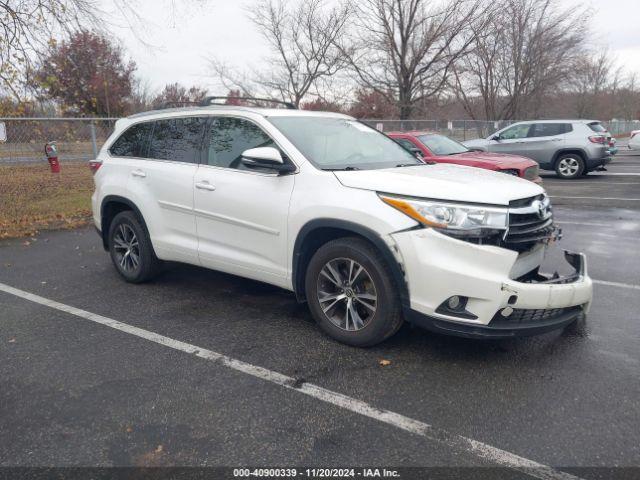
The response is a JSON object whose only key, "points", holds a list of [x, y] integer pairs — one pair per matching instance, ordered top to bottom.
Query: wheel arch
{"points": [[112, 205], [317, 232]]}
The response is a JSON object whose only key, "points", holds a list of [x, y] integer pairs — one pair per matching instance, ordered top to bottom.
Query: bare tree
{"points": [[27, 26], [303, 42], [528, 48], [404, 50], [594, 83], [176, 94]]}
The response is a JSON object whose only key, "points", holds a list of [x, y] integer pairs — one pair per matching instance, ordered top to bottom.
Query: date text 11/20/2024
{"points": [[315, 472]]}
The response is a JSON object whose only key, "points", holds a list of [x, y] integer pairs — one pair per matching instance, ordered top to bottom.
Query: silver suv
{"points": [[570, 147]]}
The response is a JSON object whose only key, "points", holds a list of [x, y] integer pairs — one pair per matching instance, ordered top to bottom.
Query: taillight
{"points": [[598, 139], [94, 165]]}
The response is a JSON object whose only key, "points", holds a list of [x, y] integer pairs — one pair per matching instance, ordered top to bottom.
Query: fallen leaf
{"points": [[384, 363], [129, 429], [159, 449]]}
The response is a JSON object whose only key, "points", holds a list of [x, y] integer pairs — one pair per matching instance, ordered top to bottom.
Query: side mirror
{"points": [[496, 138], [266, 157]]}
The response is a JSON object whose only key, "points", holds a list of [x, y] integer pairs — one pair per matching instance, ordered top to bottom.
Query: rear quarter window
{"points": [[597, 127], [133, 142]]}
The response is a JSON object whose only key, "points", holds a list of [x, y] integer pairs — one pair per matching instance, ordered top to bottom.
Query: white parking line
{"points": [[616, 174], [578, 184], [600, 198], [586, 224], [617, 284], [452, 440]]}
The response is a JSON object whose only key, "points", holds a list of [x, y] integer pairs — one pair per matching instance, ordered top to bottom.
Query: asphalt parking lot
{"points": [[77, 388]]}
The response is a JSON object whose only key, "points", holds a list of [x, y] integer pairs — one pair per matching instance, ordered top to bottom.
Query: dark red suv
{"points": [[438, 148]]}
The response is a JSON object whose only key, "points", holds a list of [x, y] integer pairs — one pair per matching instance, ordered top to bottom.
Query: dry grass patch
{"points": [[32, 198]]}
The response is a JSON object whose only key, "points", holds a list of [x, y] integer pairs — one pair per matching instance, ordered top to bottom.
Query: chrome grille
{"points": [[530, 222]]}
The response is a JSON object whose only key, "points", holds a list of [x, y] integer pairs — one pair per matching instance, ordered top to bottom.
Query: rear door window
{"points": [[549, 129], [177, 139], [133, 142]]}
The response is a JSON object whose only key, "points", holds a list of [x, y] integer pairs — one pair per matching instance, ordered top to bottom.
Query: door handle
{"points": [[138, 173], [205, 186]]}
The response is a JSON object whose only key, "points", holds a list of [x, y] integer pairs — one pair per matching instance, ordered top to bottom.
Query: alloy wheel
{"points": [[568, 167], [126, 248], [346, 294]]}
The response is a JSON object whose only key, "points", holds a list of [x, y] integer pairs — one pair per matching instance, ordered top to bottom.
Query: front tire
{"points": [[569, 166], [130, 249], [351, 293]]}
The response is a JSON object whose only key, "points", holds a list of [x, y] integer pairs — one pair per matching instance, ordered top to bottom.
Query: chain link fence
{"points": [[458, 129], [462, 130], [77, 139]]}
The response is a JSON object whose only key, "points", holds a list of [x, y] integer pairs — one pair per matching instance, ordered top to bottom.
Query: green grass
{"points": [[33, 199]]}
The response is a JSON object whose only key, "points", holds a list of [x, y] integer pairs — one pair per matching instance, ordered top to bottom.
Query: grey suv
{"points": [[570, 147]]}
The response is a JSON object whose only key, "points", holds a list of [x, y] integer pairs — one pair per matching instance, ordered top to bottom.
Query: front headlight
{"points": [[453, 219]]}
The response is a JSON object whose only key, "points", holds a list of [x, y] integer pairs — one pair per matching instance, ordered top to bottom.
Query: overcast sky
{"points": [[182, 41]]}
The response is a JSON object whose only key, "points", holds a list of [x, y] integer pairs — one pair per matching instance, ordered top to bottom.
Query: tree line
{"points": [[476, 59]]}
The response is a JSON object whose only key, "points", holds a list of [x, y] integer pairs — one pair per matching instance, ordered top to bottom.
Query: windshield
{"points": [[341, 143], [441, 145]]}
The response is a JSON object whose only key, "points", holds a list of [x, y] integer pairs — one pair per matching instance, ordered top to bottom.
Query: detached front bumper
{"points": [[493, 303]]}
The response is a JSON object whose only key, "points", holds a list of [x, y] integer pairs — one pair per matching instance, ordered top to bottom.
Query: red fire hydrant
{"points": [[52, 156]]}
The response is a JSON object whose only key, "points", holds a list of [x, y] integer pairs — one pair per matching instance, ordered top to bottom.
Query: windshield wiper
{"points": [[400, 165], [348, 169]]}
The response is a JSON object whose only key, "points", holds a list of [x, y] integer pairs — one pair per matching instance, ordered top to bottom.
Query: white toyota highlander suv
{"points": [[335, 211]]}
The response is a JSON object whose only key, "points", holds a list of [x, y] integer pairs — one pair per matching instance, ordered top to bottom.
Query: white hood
{"points": [[443, 182]]}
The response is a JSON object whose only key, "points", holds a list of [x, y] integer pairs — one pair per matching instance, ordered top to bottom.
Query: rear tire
{"points": [[569, 166], [131, 250], [351, 293]]}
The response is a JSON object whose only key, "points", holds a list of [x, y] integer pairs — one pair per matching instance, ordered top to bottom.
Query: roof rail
{"points": [[208, 101], [174, 104]]}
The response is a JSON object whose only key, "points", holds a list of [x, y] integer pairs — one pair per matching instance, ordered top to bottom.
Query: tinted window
{"points": [[597, 127], [549, 129], [517, 131], [229, 137], [177, 139], [133, 142], [406, 143], [441, 145]]}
